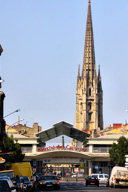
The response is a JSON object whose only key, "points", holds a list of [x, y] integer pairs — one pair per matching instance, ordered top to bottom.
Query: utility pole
{"points": [[2, 121]]}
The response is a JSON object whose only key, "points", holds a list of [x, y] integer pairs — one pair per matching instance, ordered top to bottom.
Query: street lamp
{"points": [[12, 113]]}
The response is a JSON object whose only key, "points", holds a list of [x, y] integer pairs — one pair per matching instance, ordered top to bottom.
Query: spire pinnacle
{"points": [[89, 53], [79, 70], [99, 71], [99, 81]]}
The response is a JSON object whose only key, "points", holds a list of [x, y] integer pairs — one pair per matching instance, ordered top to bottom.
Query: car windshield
{"points": [[95, 176], [100, 176], [91, 177], [49, 178], [23, 179]]}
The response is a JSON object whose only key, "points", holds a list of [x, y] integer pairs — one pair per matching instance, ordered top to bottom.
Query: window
{"points": [[89, 91], [81, 107], [90, 116]]}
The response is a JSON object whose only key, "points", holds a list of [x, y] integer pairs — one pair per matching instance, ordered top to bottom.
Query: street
{"points": [[80, 187]]}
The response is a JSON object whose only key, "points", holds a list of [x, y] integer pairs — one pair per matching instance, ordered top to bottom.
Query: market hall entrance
{"points": [[64, 160], [65, 167]]}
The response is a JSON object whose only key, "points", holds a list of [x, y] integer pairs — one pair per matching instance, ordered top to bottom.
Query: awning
{"points": [[62, 128]]}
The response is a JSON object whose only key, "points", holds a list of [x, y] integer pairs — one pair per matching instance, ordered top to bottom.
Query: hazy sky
{"points": [[43, 42]]}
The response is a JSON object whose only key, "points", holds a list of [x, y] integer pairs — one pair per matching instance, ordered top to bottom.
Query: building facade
{"points": [[89, 93], [24, 130], [95, 158]]}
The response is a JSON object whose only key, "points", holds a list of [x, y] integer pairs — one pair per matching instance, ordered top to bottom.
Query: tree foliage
{"points": [[13, 150], [118, 151]]}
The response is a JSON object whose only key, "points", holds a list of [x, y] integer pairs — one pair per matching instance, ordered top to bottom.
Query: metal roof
{"points": [[62, 128]]}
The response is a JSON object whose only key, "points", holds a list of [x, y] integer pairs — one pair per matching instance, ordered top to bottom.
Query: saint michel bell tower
{"points": [[89, 94]]}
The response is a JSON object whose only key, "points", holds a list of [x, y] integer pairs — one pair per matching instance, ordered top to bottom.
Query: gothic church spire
{"points": [[89, 94]]}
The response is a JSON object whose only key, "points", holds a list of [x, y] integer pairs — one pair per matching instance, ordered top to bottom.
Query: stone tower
{"points": [[89, 94]]}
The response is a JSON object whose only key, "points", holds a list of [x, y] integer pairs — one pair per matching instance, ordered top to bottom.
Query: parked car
{"points": [[9, 173], [5, 177], [119, 177], [103, 178], [92, 180], [47, 181], [27, 184], [6, 185]]}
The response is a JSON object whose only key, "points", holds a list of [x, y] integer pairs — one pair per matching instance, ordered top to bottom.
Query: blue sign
{"points": [[81, 160], [47, 161], [34, 162], [96, 166]]}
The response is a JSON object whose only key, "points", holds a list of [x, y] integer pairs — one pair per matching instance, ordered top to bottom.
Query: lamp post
{"points": [[17, 110], [2, 122]]}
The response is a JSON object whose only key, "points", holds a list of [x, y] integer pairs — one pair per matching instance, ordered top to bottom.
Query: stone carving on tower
{"points": [[89, 94]]}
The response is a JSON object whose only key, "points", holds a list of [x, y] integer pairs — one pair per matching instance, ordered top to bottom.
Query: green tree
{"points": [[13, 151], [118, 151]]}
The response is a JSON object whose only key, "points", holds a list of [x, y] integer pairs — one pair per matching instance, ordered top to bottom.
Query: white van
{"points": [[119, 176], [102, 177]]}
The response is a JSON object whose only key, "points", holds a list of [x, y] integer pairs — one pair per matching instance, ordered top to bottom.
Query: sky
{"points": [[43, 43]]}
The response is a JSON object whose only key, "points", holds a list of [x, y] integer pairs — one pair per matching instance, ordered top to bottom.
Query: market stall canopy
{"points": [[62, 128]]}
